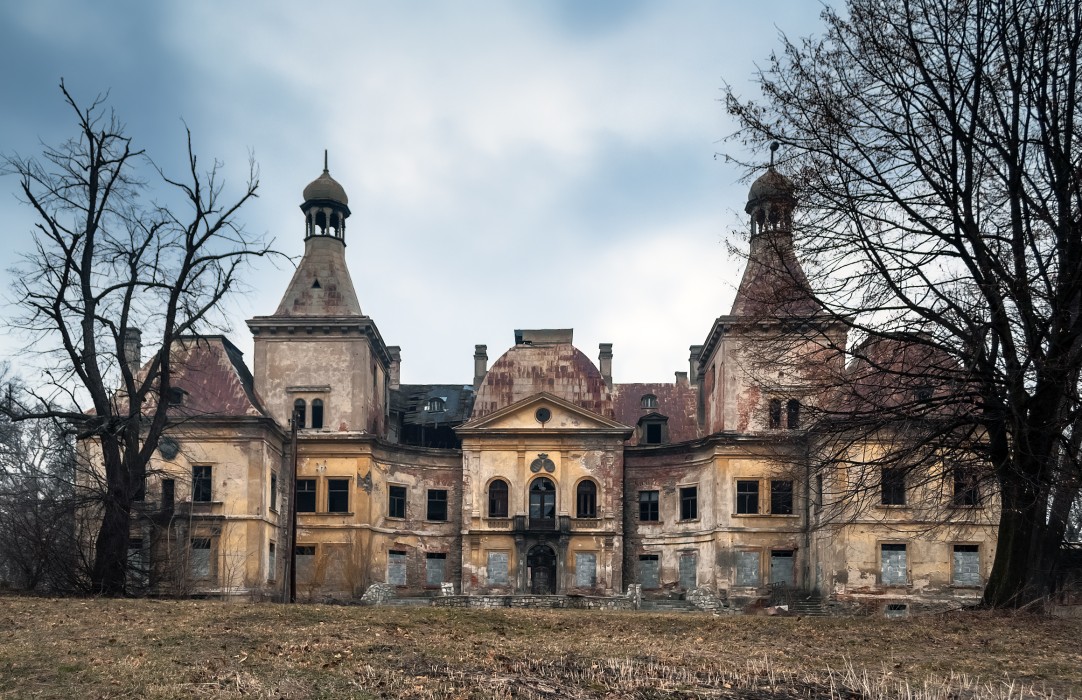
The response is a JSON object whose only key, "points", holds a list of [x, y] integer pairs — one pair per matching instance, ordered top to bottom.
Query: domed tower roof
{"points": [[771, 185], [326, 188], [543, 361]]}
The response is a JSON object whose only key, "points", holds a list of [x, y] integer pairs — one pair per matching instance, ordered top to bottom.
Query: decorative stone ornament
{"points": [[542, 462]]}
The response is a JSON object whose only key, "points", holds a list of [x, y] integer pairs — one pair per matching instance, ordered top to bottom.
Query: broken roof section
{"points": [[543, 361], [210, 379], [433, 404]]}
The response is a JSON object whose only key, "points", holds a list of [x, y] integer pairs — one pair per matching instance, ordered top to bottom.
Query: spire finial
{"points": [[773, 149], [326, 170]]}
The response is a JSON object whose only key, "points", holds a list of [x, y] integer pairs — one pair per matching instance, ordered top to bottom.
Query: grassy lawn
{"points": [[89, 648]]}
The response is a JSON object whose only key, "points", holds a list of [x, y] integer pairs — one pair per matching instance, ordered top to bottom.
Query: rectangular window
{"points": [[775, 414], [792, 414], [653, 433], [201, 482], [893, 487], [274, 491], [967, 493], [169, 494], [306, 495], [337, 495], [747, 497], [781, 497], [396, 502], [689, 503], [437, 504], [648, 509], [306, 558], [200, 561], [272, 563], [689, 563], [892, 565], [967, 565], [435, 566], [396, 568], [497, 568], [747, 568], [585, 569], [649, 571]]}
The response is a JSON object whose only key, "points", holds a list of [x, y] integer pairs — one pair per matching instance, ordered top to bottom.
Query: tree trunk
{"points": [[111, 547], [1021, 572]]}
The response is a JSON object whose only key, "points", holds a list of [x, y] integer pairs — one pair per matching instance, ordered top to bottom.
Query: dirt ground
{"points": [[97, 648]]}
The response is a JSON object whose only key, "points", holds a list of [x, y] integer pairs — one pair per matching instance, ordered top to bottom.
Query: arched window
{"points": [[649, 401], [435, 405], [298, 412], [317, 413], [497, 499], [586, 500], [542, 503]]}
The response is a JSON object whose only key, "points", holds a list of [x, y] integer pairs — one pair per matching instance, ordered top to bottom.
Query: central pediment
{"points": [[543, 412]]}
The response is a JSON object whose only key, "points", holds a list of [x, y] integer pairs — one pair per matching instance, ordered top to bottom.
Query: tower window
{"points": [[316, 285], [792, 411], [298, 413], [317, 413], [775, 414]]}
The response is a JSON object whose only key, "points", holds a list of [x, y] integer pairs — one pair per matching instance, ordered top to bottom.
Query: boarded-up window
{"points": [[200, 561], [306, 561], [689, 562], [892, 564], [138, 565], [967, 565], [435, 566], [781, 567], [396, 568], [497, 568], [747, 568], [585, 569], [649, 571]]}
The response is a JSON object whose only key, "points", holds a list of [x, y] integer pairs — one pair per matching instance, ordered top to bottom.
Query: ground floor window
{"points": [[200, 559], [689, 563], [892, 565], [781, 566], [396, 568], [435, 568], [497, 568], [747, 568], [585, 569], [966, 569], [649, 571]]}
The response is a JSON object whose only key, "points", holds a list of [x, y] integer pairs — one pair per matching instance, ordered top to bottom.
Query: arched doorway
{"points": [[541, 565]]}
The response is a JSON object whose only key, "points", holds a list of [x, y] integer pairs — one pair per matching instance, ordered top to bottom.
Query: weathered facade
{"points": [[538, 475]]}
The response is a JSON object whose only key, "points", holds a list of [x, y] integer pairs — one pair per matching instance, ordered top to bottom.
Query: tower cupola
{"points": [[771, 200], [325, 207]]}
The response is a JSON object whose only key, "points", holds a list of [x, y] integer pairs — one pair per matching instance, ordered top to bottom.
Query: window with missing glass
{"points": [[892, 482], [201, 484], [306, 495], [337, 495], [747, 496], [781, 497], [497, 499], [586, 499], [396, 502], [689, 503], [437, 504], [648, 506]]}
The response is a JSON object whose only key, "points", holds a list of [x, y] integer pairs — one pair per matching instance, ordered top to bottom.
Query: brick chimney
{"points": [[605, 359], [480, 364], [693, 364], [394, 372]]}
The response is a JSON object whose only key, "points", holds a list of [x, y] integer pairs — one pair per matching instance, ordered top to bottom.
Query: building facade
{"points": [[541, 475]]}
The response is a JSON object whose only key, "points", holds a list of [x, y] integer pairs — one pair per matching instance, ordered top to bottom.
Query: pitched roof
{"points": [[774, 284], [321, 286], [214, 381], [678, 402]]}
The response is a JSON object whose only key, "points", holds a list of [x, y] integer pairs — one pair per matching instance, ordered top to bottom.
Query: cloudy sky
{"points": [[523, 164]]}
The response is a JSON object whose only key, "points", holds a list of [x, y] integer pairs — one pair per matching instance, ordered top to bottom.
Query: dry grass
{"points": [[171, 649]]}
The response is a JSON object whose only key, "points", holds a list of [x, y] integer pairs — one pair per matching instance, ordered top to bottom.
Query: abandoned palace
{"points": [[538, 474]]}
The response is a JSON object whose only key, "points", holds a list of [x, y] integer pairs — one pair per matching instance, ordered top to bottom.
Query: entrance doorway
{"points": [[781, 567], [541, 568]]}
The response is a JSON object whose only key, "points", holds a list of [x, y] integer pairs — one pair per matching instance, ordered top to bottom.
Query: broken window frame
{"points": [[774, 414], [792, 414], [202, 483], [892, 486], [966, 492], [338, 495], [499, 495], [747, 496], [781, 496], [586, 499], [396, 501], [689, 503], [436, 505], [649, 506]]}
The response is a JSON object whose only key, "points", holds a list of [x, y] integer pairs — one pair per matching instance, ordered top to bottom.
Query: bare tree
{"points": [[935, 146], [108, 268]]}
